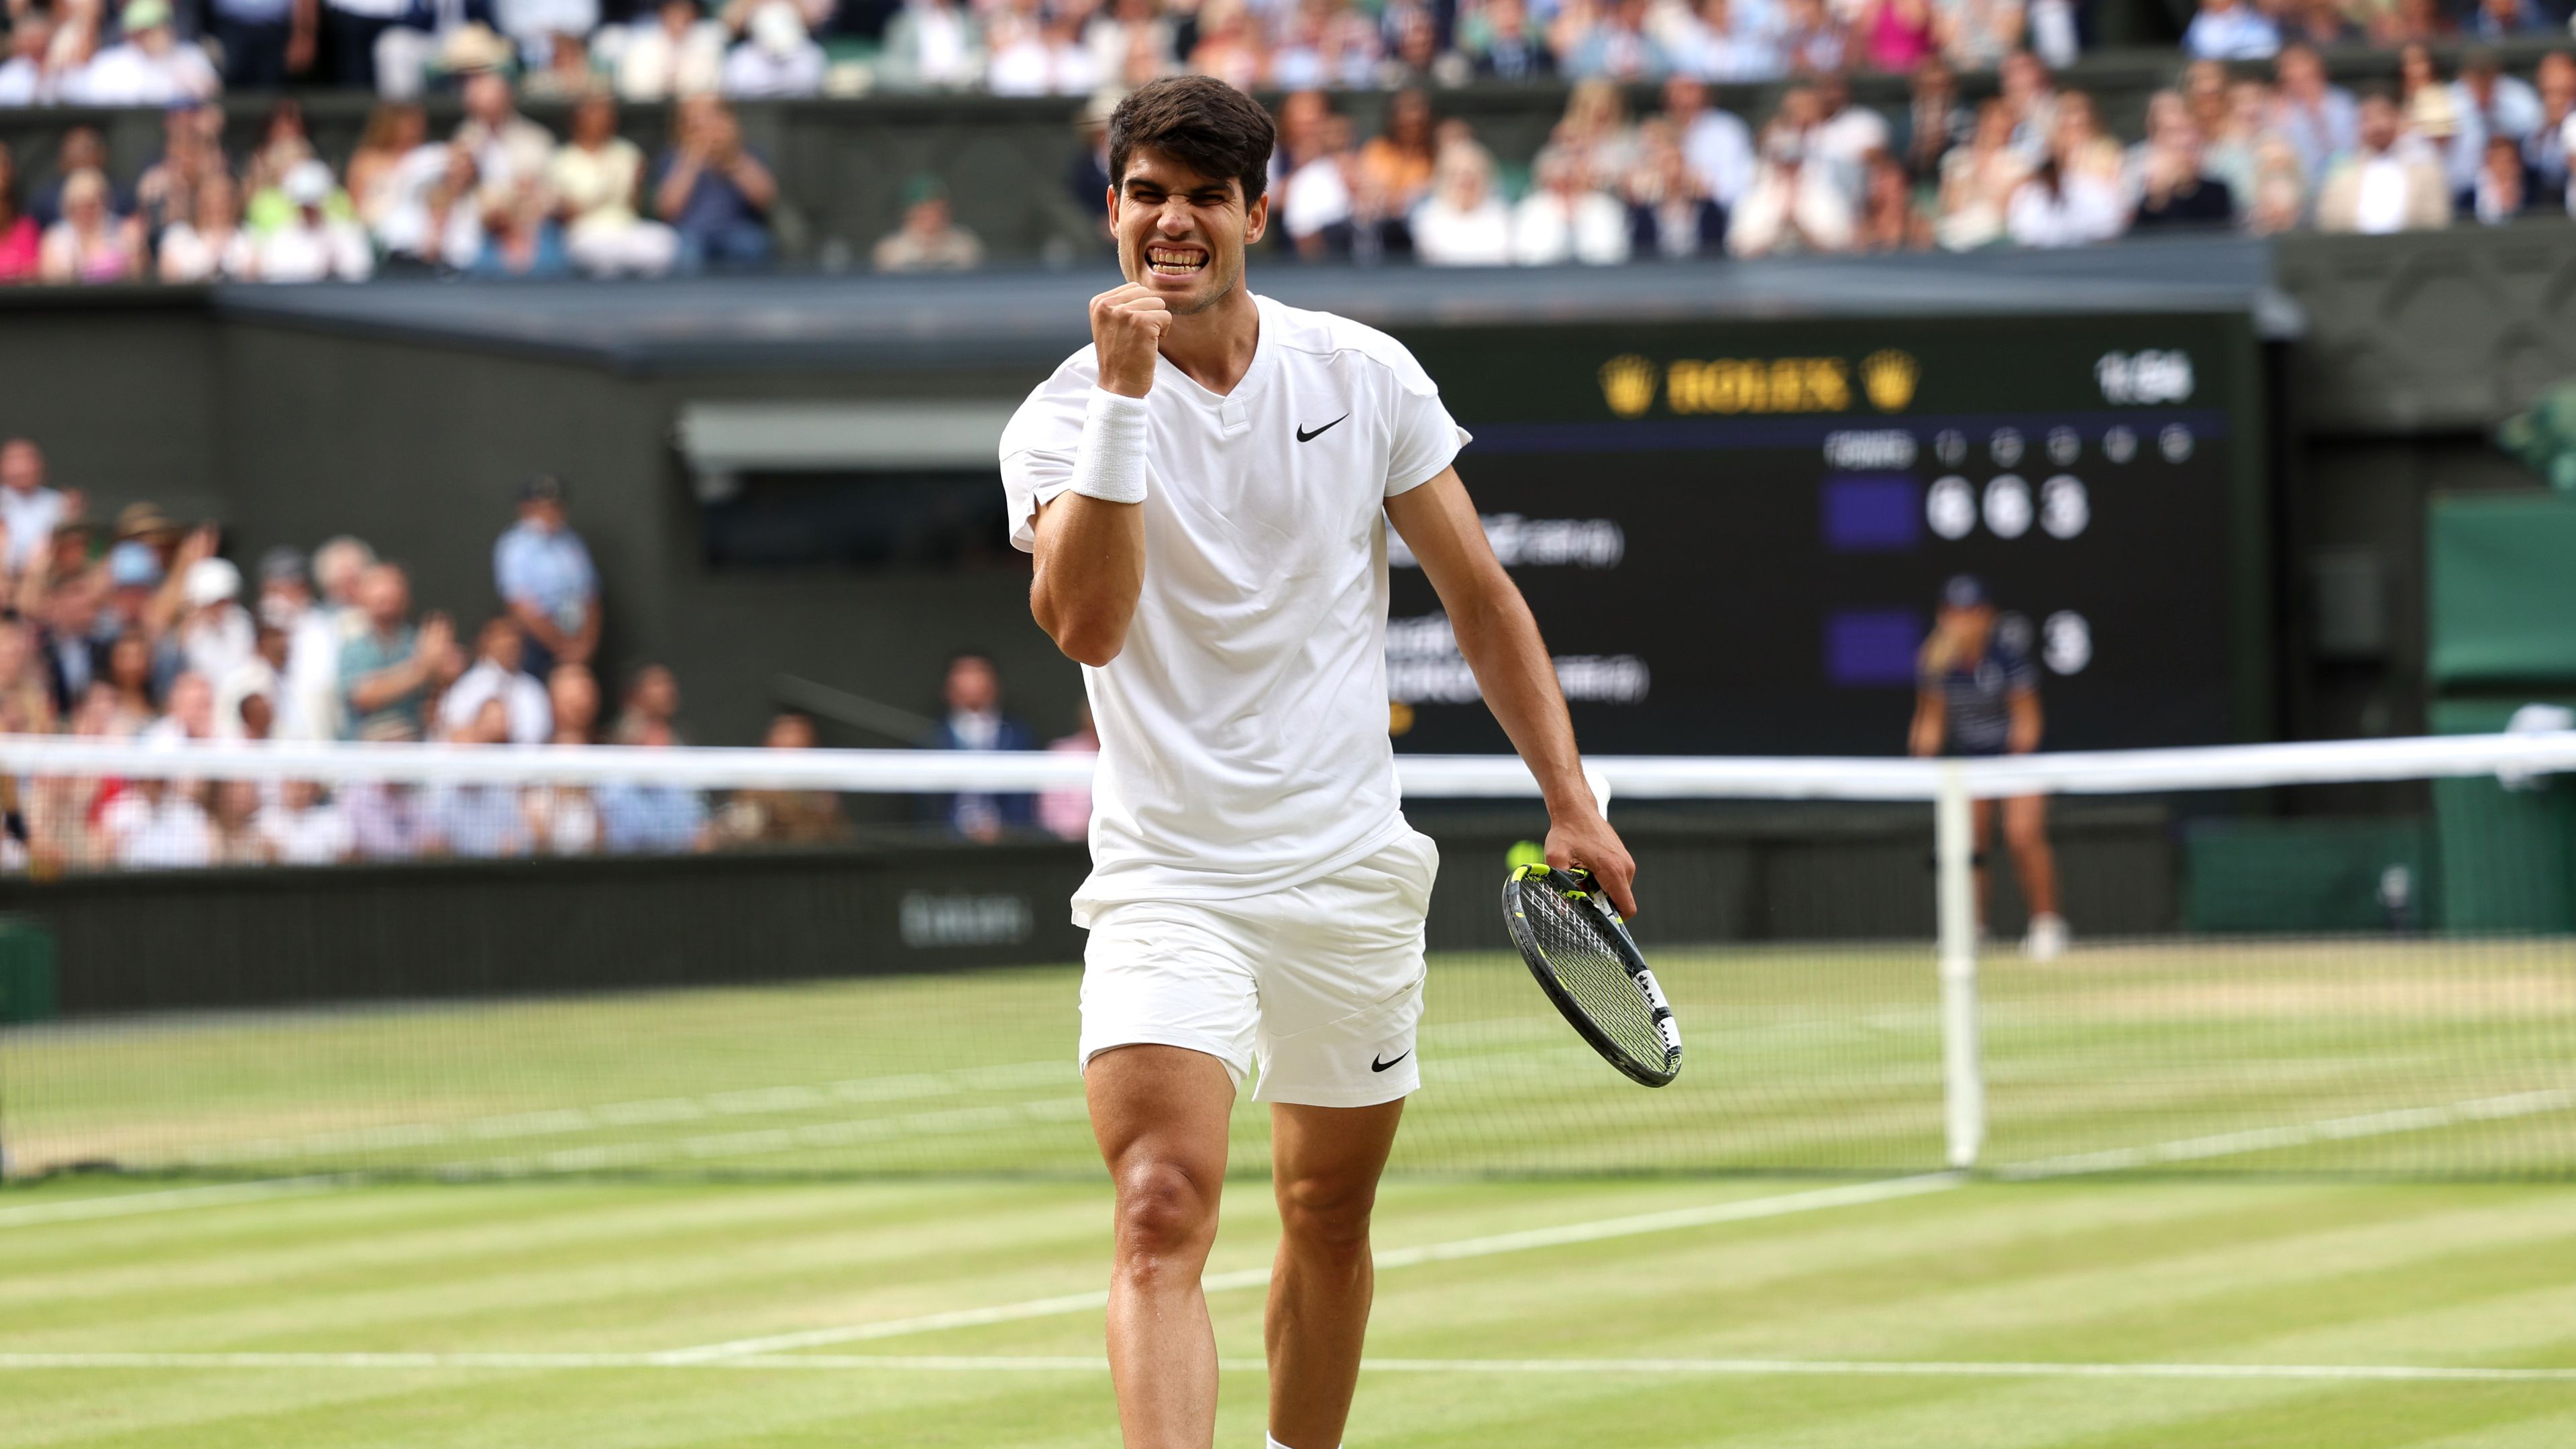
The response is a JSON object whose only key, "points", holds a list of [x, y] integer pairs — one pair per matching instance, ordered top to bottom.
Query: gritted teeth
{"points": [[1175, 261]]}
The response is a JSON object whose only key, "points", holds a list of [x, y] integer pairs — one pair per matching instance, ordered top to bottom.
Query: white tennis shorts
{"points": [[1318, 985]]}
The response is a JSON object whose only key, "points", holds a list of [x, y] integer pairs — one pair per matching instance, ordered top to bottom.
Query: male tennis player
{"points": [[1205, 488], [1978, 694]]}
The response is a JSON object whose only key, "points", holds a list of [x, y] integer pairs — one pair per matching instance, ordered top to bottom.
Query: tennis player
{"points": [[1206, 488], [1978, 694]]}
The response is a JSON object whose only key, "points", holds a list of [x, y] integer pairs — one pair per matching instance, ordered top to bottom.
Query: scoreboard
{"points": [[1734, 534]]}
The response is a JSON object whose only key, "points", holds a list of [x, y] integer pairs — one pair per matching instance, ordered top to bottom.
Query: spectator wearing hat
{"points": [[777, 59], [150, 67], [507, 147], [2384, 186], [713, 190], [930, 240], [319, 243], [29, 511], [545, 578], [215, 632], [389, 672], [497, 674]]}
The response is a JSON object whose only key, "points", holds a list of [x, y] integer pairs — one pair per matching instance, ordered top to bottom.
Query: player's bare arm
{"points": [[1091, 551], [1501, 642], [2026, 722], [1923, 738]]}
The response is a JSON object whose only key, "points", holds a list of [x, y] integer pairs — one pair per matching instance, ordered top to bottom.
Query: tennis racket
{"points": [[1580, 952]]}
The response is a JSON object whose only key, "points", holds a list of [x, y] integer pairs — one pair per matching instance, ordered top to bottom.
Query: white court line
{"points": [[2265, 1139], [131, 1204], [1742, 1210], [1596, 1367]]}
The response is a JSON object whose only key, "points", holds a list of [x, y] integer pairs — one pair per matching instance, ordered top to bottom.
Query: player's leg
{"points": [[1981, 817], [2026, 834], [1159, 1113], [1325, 1163]]}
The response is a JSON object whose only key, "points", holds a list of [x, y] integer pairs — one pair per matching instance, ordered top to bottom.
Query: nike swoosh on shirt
{"points": [[1304, 436], [1374, 1064]]}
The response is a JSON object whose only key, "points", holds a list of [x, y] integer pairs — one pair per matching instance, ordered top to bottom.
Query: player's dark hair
{"points": [[1199, 121]]}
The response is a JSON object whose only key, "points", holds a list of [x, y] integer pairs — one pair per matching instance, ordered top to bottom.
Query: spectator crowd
{"points": [[500, 195], [140, 630]]}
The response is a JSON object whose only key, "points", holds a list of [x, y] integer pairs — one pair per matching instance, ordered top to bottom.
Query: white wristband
{"points": [[1111, 466]]}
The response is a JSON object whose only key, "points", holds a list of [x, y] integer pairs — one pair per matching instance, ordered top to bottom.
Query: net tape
{"points": [[2509, 756]]}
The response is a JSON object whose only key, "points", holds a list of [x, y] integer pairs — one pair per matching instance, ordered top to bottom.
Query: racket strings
{"points": [[1578, 950]]}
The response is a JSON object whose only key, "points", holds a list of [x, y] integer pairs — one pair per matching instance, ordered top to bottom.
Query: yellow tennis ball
{"points": [[1527, 852]]}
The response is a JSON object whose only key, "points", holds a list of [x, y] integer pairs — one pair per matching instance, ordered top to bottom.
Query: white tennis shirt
{"points": [[1243, 727]]}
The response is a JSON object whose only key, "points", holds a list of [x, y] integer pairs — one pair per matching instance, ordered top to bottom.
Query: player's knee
{"points": [[2026, 832], [1164, 1211], [1327, 1214]]}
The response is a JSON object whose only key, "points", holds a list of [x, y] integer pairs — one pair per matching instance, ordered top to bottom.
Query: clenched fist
{"points": [[1127, 327]]}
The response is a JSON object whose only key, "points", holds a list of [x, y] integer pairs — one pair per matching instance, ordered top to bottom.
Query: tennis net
{"points": [[472, 961]]}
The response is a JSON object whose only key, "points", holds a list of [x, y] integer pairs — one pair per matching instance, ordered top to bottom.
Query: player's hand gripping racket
{"points": [[1580, 952]]}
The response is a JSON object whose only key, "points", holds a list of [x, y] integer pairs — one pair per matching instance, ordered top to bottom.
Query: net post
{"points": [[1955, 906]]}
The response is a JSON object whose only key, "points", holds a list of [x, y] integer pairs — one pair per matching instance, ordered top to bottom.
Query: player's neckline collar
{"points": [[1264, 344]]}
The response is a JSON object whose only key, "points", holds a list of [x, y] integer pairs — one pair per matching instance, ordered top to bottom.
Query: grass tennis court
{"points": [[1781, 1263], [1980, 1287]]}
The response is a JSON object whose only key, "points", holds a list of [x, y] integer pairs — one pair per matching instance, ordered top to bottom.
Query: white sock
{"points": [[1275, 1444]]}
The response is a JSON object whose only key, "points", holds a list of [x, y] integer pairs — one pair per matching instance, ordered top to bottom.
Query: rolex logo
{"points": [[1888, 377], [1628, 384]]}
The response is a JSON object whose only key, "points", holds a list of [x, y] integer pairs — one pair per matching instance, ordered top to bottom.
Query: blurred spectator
{"points": [[2507, 19], [353, 27], [2231, 30], [1126, 32], [1981, 34], [1897, 35], [1809, 39], [265, 41], [931, 44], [1230, 44], [1502, 44], [1715, 44], [1615, 46], [1037, 53], [777, 59], [149, 67], [29, 75], [568, 75], [2030, 98], [2491, 106], [1935, 118], [2318, 119], [396, 135], [1844, 135], [1717, 144], [283, 145], [507, 147], [81, 149], [2083, 149], [2545, 150], [192, 155], [1395, 166], [598, 177], [1087, 178], [1978, 181], [2172, 184], [2383, 186], [713, 191], [2498, 195], [1793, 206], [2059, 207], [1318, 208], [1670, 213], [1566, 219], [436, 220], [1891, 220], [1463, 224], [520, 237], [21, 240], [930, 240], [90, 243], [209, 244], [314, 244], [29, 511], [544, 575], [215, 635], [75, 653], [390, 670], [497, 675], [309, 677], [572, 695], [652, 702], [26, 703], [131, 705], [191, 714], [975, 721], [1065, 810], [787, 817], [478, 819], [642, 819], [232, 821], [386, 821], [157, 825], [304, 827]]}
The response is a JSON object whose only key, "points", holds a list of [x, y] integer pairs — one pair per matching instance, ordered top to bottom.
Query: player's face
{"points": [[1180, 233], [1968, 625]]}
